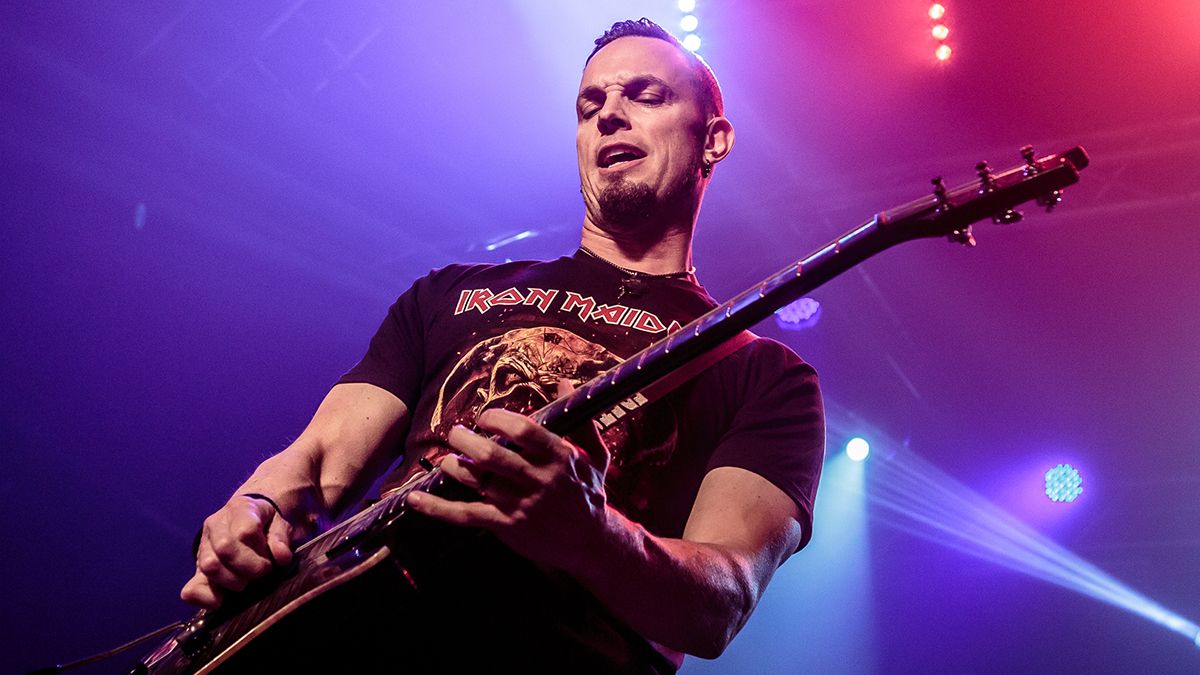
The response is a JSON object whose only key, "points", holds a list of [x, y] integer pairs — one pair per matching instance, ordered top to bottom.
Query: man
{"points": [[677, 525]]}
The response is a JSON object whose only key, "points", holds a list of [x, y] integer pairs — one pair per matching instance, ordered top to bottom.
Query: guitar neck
{"points": [[944, 213], [715, 327]]}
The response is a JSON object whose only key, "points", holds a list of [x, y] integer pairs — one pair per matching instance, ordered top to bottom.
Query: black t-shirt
{"points": [[468, 337]]}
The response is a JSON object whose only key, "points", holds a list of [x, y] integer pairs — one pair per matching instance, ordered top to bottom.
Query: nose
{"points": [[612, 117]]}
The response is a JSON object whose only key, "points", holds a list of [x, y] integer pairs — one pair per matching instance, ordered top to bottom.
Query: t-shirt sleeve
{"points": [[395, 356], [779, 430]]}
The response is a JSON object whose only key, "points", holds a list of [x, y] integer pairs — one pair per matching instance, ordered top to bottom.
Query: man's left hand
{"points": [[546, 500]]}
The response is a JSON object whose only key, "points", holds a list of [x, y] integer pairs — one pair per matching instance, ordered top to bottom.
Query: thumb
{"points": [[279, 539]]}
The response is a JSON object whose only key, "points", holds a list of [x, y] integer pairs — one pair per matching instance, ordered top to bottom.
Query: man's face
{"points": [[641, 132]]}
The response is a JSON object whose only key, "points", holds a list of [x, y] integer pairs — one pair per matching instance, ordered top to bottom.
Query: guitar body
{"points": [[433, 599], [263, 635]]}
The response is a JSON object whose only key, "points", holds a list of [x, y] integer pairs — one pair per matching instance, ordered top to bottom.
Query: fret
{"points": [[741, 302], [712, 318], [654, 353], [551, 411]]}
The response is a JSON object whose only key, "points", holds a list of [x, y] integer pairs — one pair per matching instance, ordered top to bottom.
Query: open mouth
{"points": [[618, 154]]}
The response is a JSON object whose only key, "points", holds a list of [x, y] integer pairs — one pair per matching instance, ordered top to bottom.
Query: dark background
{"points": [[208, 206]]}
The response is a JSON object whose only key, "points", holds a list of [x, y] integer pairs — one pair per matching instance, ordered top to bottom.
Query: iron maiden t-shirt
{"points": [[469, 337]]}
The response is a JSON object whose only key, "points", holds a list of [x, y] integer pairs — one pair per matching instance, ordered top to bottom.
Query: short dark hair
{"points": [[708, 88]]}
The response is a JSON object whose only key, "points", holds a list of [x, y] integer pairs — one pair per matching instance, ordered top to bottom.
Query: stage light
{"points": [[687, 5], [936, 12], [689, 23], [940, 31], [691, 42], [942, 52], [509, 239], [799, 315], [858, 448], [1063, 483], [910, 493]]}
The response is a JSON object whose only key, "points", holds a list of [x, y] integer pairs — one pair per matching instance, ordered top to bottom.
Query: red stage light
{"points": [[937, 11], [940, 31], [942, 52]]}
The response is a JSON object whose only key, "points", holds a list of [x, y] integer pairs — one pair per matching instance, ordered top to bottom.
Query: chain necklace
{"points": [[634, 283]]}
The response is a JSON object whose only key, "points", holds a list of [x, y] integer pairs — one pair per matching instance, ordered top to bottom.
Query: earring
{"points": [[706, 169]]}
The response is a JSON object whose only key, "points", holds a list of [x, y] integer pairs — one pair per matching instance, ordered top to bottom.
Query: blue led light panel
{"points": [[1063, 483]]}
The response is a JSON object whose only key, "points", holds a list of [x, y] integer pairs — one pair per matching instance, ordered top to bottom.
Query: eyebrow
{"points": [[636, 83]]}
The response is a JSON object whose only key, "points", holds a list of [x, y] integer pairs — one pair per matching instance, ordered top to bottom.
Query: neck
{"points": [[665, 254]]}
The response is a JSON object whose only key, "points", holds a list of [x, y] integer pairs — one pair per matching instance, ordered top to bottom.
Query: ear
{"points": [[718, 139]]}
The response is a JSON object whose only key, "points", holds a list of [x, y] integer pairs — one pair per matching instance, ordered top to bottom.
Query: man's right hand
{"points": [[241, 542]]}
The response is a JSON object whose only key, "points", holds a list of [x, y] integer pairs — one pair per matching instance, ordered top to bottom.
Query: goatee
{"points": [[627, 205]]}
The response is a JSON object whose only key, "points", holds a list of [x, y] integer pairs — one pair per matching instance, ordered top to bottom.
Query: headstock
{"points": [[951, 212]]}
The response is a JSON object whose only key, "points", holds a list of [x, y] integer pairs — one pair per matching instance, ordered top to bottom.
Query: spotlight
{"points": [[687, 5], [936, 12], [689, 23], [940, 31], [691, 42], [942, 52], [857, 449], [1063, 483]]}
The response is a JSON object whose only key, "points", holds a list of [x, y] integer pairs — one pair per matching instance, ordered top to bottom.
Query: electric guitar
{"points": [[387, 546]]}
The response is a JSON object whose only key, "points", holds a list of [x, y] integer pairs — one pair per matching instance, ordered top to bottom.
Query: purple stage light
{"points": [[799, 315]]}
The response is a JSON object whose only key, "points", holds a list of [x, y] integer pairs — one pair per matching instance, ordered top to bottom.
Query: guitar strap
{"points": [[697, 365]]}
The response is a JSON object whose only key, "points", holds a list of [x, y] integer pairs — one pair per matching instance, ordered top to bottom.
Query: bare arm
{"points": [[343, 449], [691, 594], [694, 594]]}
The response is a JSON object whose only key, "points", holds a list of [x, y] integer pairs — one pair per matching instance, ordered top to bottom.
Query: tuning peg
{"points": [[1031, 165], [987, 182], [939, 194], [1050, 200], [1007, 217], [963, 236]]}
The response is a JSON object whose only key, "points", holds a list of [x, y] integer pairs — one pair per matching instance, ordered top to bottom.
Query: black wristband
{"points": [[252, 495], [255, 495]]}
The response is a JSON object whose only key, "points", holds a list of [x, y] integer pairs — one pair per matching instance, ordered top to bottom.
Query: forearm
{"points": [[350, 440], [291, 479], [547, 502], [688, 596]]}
